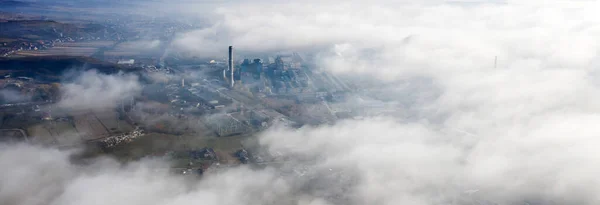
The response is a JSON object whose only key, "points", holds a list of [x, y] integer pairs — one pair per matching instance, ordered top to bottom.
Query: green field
{"points": [[86, 48]]}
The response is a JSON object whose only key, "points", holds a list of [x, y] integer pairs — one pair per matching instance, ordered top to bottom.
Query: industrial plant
{"points": [[177, 103]]}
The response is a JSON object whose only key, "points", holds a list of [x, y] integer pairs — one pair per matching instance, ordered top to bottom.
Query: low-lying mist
{"points": [[375, 161]]}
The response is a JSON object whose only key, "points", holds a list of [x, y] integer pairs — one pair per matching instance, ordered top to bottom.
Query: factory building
{"points": [[285, 62], [253, 68], [283, 74], [205, 97], [226, 125]]}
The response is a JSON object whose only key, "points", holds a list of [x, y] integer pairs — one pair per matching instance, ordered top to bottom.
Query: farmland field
{"points": [[93, 44], [68, 49], [62, 51], [121, 53], [110, 120], [90, 127], [54, 133]]}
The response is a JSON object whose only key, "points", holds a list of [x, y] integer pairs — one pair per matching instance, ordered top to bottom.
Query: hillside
{"points": [[13, 3], [48, 29]]}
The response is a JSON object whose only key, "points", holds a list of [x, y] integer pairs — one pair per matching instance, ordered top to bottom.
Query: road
{"points": [[17, 130]]}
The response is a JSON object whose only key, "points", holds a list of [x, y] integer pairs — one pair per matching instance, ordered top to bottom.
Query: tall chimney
{"points": [[231, 65]]}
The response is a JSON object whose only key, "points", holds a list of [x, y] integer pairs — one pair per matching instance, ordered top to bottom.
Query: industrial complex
{"points": [[230, 101], [184, 104]]}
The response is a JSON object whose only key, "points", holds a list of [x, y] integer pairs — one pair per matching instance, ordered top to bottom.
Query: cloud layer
{"points": [[93, 90], [518, 129], [522, 131]]}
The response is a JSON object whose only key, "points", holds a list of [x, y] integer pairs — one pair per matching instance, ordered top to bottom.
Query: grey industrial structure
{"points": [[230, 66]]}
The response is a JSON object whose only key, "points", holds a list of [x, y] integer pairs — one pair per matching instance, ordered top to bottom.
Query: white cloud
{"points": [[93, 90], [529, 119], [521, 132], [39, 176]]}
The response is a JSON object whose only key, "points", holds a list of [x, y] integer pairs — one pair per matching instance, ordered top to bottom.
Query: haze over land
{"points": [[521, 130]]}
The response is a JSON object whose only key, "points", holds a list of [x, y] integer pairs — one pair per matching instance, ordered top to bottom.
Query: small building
{"points": [[242, 155]]}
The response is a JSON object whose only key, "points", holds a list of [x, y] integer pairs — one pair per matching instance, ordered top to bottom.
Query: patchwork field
{"points": [[92, 44], [135, 48], [69, 49], [62, 51], [121, 53], [112, 123], [83, 126], [90, 126], [54, 133], [159, 144]]}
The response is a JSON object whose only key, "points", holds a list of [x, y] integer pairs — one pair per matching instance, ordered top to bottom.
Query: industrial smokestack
{"points": [[231, 65]]}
